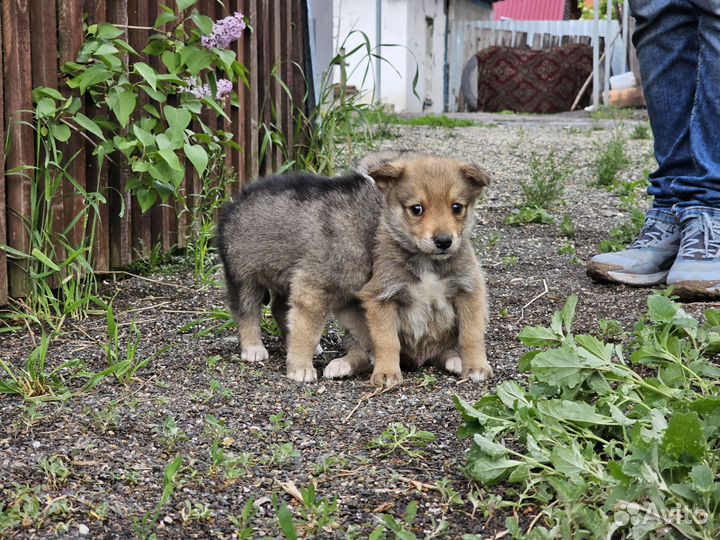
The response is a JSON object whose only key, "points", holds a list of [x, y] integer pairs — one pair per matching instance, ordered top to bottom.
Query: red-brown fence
{"points": [[38, 36]]}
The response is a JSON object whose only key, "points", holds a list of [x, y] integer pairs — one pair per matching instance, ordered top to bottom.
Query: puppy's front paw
{"points": [[254, 353], [453, 364], [337, 369], [302, 374], [479, 374], [386, 378]]}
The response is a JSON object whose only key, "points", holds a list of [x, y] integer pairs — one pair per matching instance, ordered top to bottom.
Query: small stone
{"points": [[321, 390], [36, 444], [167, 519], [83, 529]]}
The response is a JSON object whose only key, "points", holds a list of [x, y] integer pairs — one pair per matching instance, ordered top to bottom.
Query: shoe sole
{"points": [[634, 280], [695, 290]]}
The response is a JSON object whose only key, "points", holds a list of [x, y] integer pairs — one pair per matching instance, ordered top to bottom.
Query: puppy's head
{"points": [[430, 199]]}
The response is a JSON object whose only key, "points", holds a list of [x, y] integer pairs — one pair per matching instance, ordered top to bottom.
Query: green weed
{"points": [[436, 121], [641, 131], [611, 161], [548, 175], [529, 215], [567, 227], [624, 233], [605, 432], [169, 433], [399, 437], [55, 469], [315, 515], [143, 527], [243, 529]]}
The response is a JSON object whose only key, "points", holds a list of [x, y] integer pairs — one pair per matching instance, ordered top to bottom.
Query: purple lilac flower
{"points": [[224, 32], [224, 87], [195, 88]]}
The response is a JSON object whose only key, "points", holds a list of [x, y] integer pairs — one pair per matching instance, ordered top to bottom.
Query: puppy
{"points": [[308, 240], [384, 249], [426, 299]]}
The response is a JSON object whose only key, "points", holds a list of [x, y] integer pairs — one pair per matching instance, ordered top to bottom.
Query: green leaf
{"points": [[184, 4], [164, 18], [205, 24], [108, 31], [147, 73], [93, 75], [122, 103], [45, 107], [177, 119], [88, 124], [61, 132], [145, 137], [197, 156], [171, 159], [146, 198], [40, 256], [661, 309], [568, 312], [539, 336], [561, 367], [512, 395], [572, 411], [684, 438], [491, 448], [568, 460], [491, 471], [703, 478], [285, 518]]}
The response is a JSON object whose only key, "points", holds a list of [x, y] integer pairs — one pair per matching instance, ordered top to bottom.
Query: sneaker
{"points": [[648, 259], [696, 270]]}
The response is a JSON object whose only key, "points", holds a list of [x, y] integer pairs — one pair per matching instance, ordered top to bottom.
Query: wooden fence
{"points": [[38, 36]]}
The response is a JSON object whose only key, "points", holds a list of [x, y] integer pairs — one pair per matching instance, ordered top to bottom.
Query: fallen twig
{"points": [[156, 281], [522, 309], [369, 395]]}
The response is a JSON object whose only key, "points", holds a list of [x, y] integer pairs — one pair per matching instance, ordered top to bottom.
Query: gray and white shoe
{"points": [[648, 259], [695, 274]]}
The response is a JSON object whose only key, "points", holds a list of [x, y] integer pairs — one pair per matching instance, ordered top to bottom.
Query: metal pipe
{"points": [[608, 46], [596, 54], [378, 58]]}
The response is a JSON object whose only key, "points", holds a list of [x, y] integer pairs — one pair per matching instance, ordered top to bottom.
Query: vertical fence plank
{"points": [[43, 26], [70, 39], [264, 66], [288, 72], [18, 89], [275, 89], [251, 96], [238, 114], [97, 180], [118, 196], [3, 224]]}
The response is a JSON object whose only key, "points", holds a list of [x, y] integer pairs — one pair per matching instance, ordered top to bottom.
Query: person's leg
{"points": [[666, 40], [696, 271]]}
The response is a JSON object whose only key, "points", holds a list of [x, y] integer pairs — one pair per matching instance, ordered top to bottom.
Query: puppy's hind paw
{"points": [[254, 353], [453, 364], [337, 369], [482, 373], [302, 374]]}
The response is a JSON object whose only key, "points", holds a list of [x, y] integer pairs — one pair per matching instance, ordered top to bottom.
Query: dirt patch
{"points": [[116, 441]]}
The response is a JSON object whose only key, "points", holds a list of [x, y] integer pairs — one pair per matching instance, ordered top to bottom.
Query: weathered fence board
{"points": [[37, 36]]}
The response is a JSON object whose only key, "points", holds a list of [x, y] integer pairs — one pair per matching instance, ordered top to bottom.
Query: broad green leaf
{"points": [[184, 4], [164, 18], [204, 23], [108, 31], [106, 49], [147, 72], [93, 75], [46, 91], [122, 103], [45, 107], [177, 119], [89, 124], [61, 132], [145, 137], [197, 156], [171, 159], [146, 198], [661, 309], [568, 312], [539, 336], [561, 367], [512, 395], [572, 411], [684, 439], [489, 447], [568, 460], [490, 471], [703, 478]]}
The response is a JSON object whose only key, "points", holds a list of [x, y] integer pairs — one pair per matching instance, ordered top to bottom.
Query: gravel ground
{"points": [[92, 465]]}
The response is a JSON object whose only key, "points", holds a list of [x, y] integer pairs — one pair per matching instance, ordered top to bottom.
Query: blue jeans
{"points": [[678, 44]]}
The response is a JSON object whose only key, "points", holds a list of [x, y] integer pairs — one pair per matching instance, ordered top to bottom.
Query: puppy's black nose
{"points": [[443, 241]]}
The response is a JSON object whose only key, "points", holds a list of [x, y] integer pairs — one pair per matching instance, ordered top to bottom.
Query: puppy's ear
{"points": [[385, 174], [475, 176]]}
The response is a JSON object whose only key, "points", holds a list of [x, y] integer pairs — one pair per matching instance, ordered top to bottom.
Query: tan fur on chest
{"points": [[427, 322]]}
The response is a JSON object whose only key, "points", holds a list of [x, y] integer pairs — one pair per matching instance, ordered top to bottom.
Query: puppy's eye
{"points": [[417, 209], [457, 209]]}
